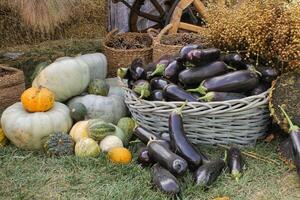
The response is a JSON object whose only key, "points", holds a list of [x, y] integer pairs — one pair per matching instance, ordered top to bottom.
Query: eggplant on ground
{"points": [[238, 81], [294, 132], [145, 136], [180, 144], [143, 157], [166, 158], [235, 163], [164, 180]]}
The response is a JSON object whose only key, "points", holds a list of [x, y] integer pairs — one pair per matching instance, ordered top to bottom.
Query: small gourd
{"points": [[98, 87], [37, 99], [77, 111], [98, 129], [79, 131], [3, 138], [109, 142], [59, 144], [87, 147], [119, 155]]}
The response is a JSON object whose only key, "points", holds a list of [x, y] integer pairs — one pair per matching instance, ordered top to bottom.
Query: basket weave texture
{"points": [[159, 46], [123, 57], [11, 87], [238, 122]]}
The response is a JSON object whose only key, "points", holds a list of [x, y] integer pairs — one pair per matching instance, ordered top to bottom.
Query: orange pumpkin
{"points": [[37, 99], [119, 155]]}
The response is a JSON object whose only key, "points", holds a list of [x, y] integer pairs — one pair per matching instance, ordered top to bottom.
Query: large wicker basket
{"points": [[160, 48], [123, 57], [239, 122]]}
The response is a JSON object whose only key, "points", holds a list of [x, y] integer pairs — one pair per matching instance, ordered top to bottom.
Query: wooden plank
{"points": [[183, 4], [200, 8], [176, 17], [190, 27]]}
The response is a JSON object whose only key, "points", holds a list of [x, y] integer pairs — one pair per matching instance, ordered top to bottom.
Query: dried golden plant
{"points": [[267, 30]]}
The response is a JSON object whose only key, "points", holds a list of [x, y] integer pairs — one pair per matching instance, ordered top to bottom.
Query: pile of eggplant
{"points": [[197, 75], [172, 155]]}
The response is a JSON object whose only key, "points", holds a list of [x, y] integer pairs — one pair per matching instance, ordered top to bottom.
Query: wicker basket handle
{"points": [[164, 31], [152, 32], [111, 34]]}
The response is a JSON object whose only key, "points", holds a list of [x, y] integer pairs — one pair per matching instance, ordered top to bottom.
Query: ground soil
{"points": [[182, 39], [130, 42]]}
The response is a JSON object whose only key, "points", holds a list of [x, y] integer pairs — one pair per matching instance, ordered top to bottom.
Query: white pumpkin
{"points": [[97, 63], [66, 78], [109, 109], [29, 130], [79, 130], [109, 142]]}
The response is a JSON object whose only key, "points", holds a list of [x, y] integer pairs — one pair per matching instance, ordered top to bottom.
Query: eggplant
{"points": [[187, 48], [199, 57], [234, 60], [161, 65], [137, 70], [172, 70], [268, 74], [196, 75], [238, 81], [130, 83], [158, 83], [142, 87], [262, 87], [173, 92], [157, 95], [222, 96], [294, 132], [145, 135], [166, 136], [180, 144], [144, 158], [166, 158], [235, 162], [208, 173], [164, 180]]}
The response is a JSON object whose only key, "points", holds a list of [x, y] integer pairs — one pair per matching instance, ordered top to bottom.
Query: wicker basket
{"points": [[159, 48], [124, 57], [11, 87], [239, 122]]}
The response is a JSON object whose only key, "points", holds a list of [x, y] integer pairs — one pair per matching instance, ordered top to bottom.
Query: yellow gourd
{"points": [[79, 131], [3, 139], [119, 155]]}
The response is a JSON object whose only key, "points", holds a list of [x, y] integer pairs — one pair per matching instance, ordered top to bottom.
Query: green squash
{"points": [[98, 87], [77, 111], [127, 125], [98, 129], [121, 135], [59, 144]]}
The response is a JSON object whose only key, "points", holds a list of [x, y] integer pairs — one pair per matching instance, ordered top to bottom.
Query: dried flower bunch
{"points": [[266, 30]]}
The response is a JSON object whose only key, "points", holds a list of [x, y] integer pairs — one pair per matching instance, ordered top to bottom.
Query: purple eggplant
{"points": [[187, 48], [199, 57], [234, 60], [161, 65], [137, 69], [172, 70], [268, 74], [196, 75], [238, 81], [158, 83], [142, 87], [262, 87], [173, 92], [157, 95], [221, 96], [294, 132], [145, 135], [166, 136], [180, 144], [144, 158], [166, 158], [235, 162], [208, 173], [164, 180]]}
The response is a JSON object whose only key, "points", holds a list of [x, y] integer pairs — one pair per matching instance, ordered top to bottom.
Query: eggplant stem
{"points": [[229, 67], [159, 70], [122, 72], [201, 89], [142, 94], [207, 97], [180, 109], [292, 126], [135, 142], [253, 155]]}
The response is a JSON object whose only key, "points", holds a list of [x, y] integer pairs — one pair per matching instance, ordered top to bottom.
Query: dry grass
{"points": [[34, 21], [267, 30]]}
